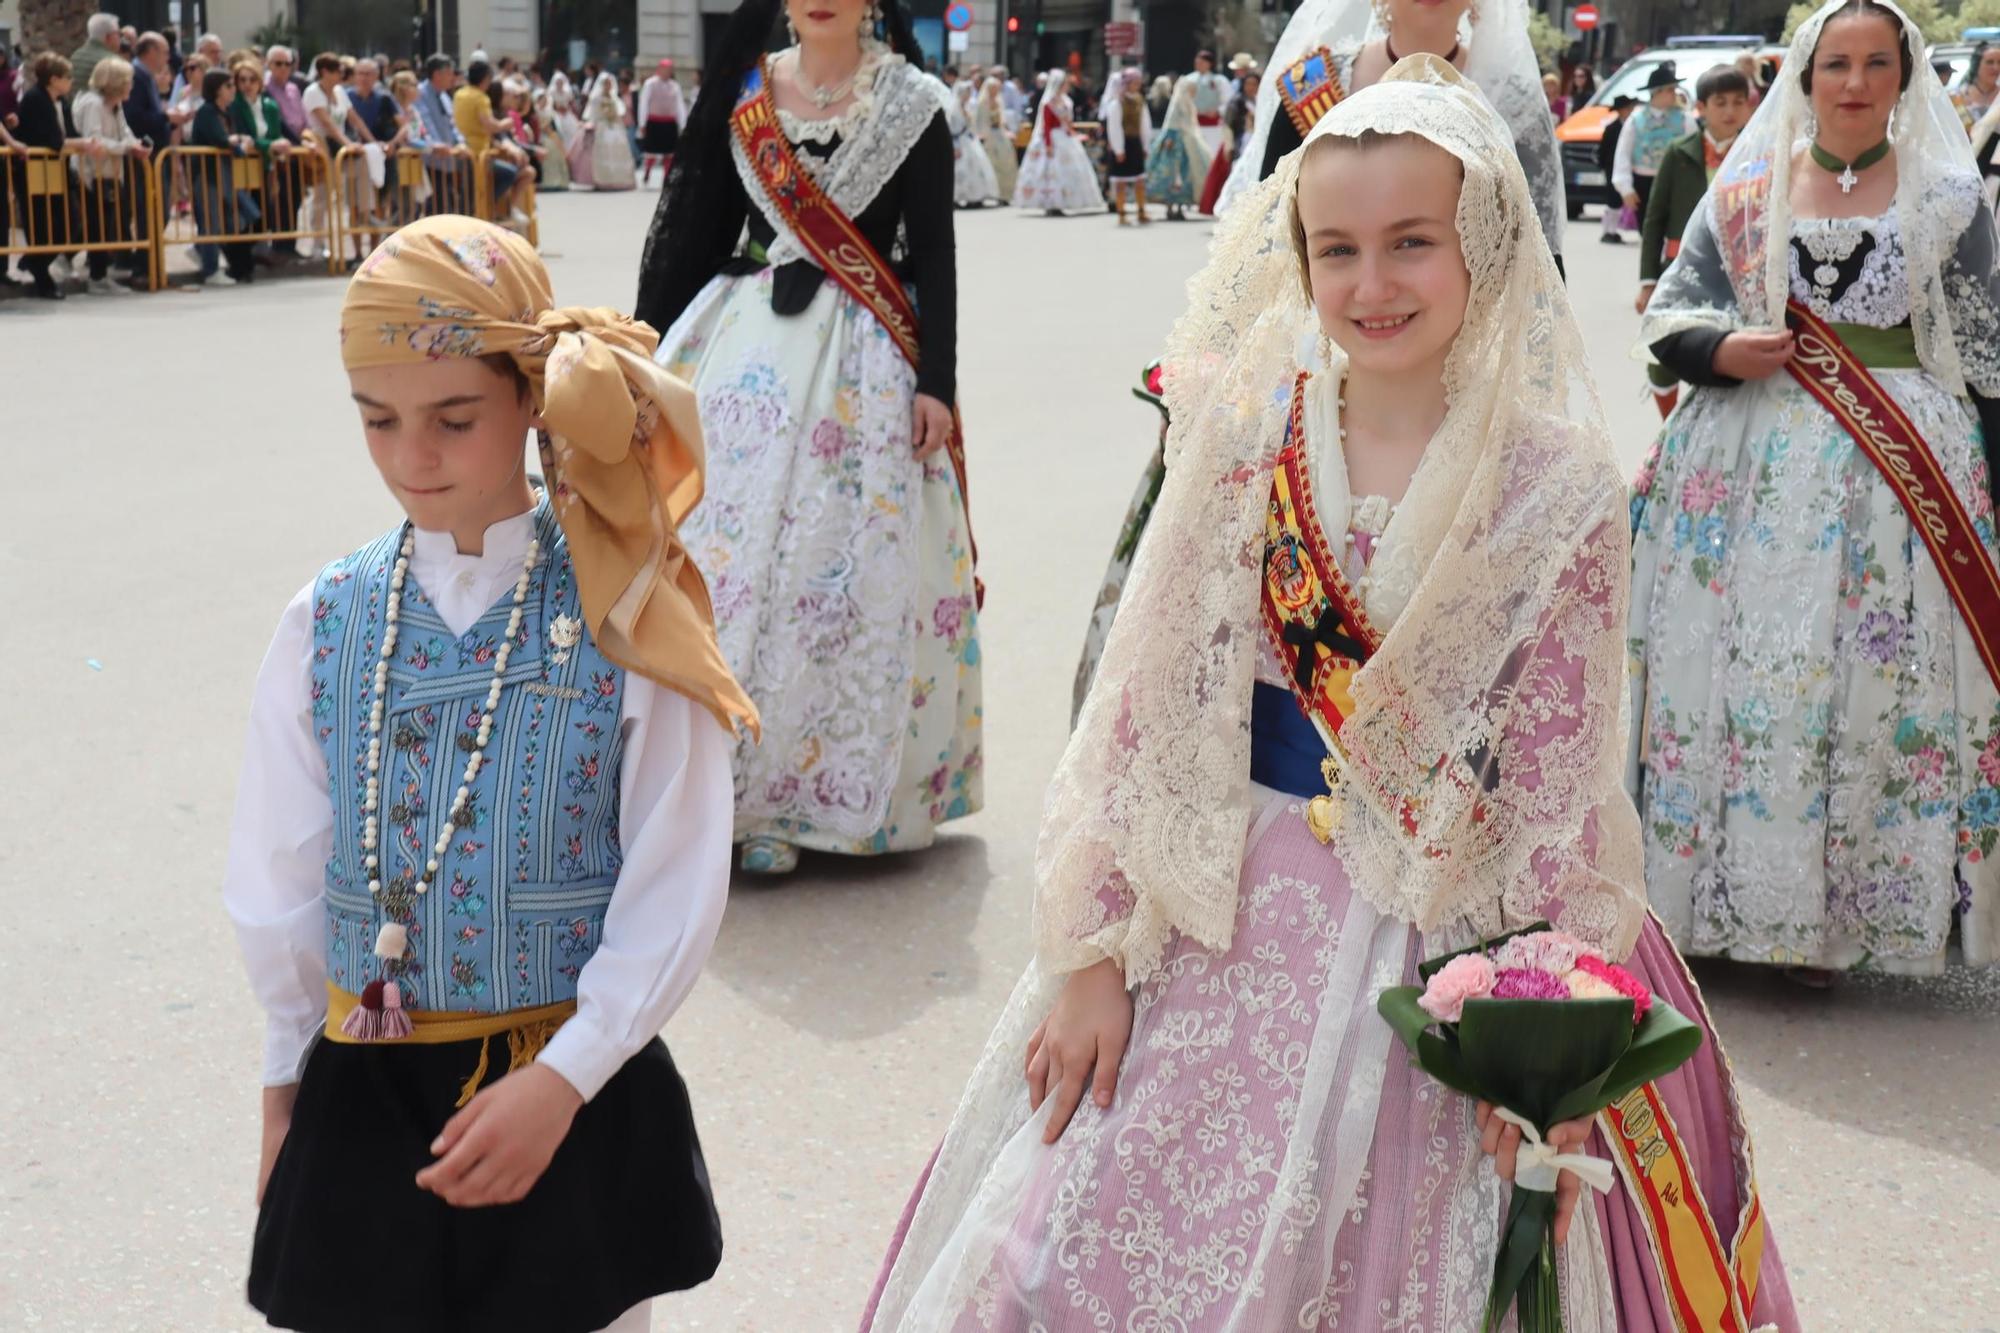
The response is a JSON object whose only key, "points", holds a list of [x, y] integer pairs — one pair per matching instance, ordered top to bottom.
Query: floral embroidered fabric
{"points": [[518, 903]]}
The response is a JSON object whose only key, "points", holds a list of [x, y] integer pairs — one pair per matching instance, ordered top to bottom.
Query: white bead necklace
{"points": [[370, 825]]}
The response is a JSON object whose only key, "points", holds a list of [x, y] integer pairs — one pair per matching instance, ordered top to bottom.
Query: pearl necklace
{"points": [[826, 97], [370, 826]]}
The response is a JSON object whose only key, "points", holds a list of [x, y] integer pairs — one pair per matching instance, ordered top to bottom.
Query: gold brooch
{"points": [[1323, 812]]}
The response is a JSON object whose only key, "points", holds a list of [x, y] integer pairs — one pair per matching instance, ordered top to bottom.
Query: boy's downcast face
{"points": [[1388, 276], [449, 438]]}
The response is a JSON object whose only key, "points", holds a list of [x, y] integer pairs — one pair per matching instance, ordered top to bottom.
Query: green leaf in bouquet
{"points": [[1665, 1040], [1436, 1052], [1530, 1055], [1531, 1219]]}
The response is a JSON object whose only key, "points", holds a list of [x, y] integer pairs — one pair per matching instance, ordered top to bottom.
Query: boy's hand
{"points": [[1631, 198], [1644, 299], [278, 1103], [495, 1149]]}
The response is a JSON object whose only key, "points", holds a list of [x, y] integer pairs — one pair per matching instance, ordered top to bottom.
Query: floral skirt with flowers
{"points": [[840, 569], [1816, 751], [1272, 1159]]}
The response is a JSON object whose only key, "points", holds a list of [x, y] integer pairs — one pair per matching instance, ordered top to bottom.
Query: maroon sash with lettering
{"points": [[840, 250], [1834, 376]]}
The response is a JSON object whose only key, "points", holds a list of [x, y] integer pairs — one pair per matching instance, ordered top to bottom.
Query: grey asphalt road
{"points": [[178, 465]]}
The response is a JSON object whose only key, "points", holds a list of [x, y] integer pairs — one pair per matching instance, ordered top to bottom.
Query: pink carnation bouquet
{"points": [[1548, 1030]]}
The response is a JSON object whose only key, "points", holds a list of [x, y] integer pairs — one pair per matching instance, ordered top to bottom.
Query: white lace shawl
{"points": [[1499, 60], [894, 103], [1734, 272], [1509, 544]]}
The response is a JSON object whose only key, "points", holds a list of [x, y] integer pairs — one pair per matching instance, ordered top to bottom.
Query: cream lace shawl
{"points": [[1510, 548]]}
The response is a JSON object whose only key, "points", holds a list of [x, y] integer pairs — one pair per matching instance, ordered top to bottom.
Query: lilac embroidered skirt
{"points": [[1273, 1160]]}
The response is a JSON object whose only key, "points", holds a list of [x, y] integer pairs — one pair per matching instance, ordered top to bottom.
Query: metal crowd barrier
{"points": [[300, 196], [247, 197], [78, 202]]}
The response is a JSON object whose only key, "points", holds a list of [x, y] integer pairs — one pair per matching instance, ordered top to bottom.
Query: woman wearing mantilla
{"points": [[802, 267], [1814, 600]]}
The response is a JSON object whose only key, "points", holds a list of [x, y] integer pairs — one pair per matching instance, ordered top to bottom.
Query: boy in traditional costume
{"points": [[1722, 96], [481, 846]]}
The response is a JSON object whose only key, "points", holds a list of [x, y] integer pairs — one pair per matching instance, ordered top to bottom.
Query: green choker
{"points": [[1846, 170]]}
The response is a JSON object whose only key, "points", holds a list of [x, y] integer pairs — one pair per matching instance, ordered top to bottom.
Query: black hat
{"points": [[1663, 76], [1620, 102]]}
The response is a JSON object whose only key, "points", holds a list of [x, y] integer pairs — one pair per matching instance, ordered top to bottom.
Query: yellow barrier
{"points": [[417, 183], [278, 193], [80, 202], [61, 207]]}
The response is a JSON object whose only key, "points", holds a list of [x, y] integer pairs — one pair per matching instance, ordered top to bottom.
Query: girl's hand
{"points": [[1643, 299], [1754, 354], [930, 425], [1087, 1030], [278, 1103], [1502, 1141], [495, 1149]]}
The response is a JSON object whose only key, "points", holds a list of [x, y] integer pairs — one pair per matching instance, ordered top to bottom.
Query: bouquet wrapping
{"points": [[1547, 1030]]}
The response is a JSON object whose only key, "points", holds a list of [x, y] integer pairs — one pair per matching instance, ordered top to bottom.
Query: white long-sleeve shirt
{"points": [[660, 99], [1621, 155], [675, 810]]}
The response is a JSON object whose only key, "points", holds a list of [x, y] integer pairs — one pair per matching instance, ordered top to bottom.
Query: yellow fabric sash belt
{"points": [[528, 1031]]}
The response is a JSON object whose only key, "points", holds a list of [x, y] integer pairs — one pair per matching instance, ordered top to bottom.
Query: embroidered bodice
{"points": [[1851, 270], [519, 899]]}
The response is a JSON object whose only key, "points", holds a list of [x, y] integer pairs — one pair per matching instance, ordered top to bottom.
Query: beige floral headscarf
{"points": [[624, 439]]}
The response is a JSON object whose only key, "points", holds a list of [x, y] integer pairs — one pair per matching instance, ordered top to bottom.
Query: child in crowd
{"points": [[1722, 96], [1647, 136], [1613, 228], [481, 846]]}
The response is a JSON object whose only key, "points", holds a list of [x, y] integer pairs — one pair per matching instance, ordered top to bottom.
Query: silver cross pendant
{"points": [[1847, 179]]}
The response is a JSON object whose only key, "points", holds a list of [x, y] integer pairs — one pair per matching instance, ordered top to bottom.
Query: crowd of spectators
{"points": [[125, 96]]}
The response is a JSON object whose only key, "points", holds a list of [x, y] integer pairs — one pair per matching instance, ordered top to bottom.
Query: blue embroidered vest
{"points": [[1654, 132], [517, 906]]}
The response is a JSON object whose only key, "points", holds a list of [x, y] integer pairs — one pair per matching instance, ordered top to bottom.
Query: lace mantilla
{"points": [[1499, 61], [889, 115], [1509, 540]]}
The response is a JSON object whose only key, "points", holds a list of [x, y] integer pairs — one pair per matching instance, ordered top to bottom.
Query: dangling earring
{"points": [[1381, 8], [1472, 13], [871, 20], [791, 28], [1325, 350]]}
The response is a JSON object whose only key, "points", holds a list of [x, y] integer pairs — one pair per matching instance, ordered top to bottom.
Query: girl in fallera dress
{"points": [[1331, 49], [989, 122], [1128, 134], [1178, 160], [611, 162], [1056, 174], [972, 181], [835, 527], [1818, 765], [481, 843], [1191, 1114]]}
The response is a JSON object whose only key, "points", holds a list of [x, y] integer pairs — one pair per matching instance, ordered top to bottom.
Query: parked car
{"points": [[1578, 137]]}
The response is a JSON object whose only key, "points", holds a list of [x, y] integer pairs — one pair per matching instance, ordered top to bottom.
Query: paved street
{"points": [[180, 464]]}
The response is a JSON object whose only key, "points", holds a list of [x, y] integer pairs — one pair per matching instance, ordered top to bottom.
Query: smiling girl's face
{"points": [[1377, 218]]}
